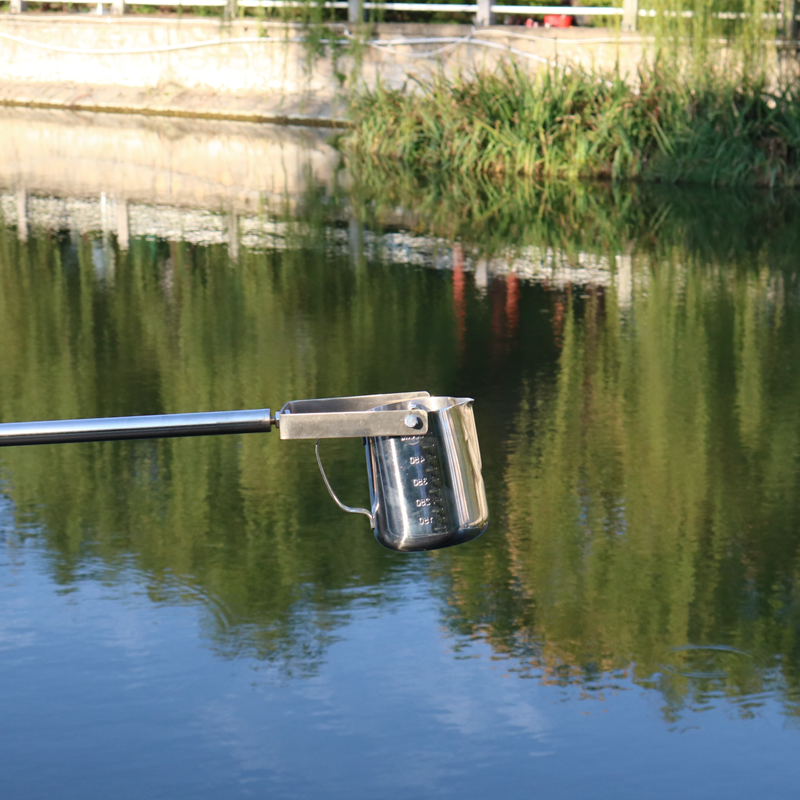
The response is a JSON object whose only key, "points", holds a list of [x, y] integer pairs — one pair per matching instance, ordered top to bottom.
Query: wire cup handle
{"points": [[349, 509]]}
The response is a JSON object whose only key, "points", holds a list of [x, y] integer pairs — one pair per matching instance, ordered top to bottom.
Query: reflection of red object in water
{"points": [[558, 20], [498, 295], [459, 298], [512, 304], [560, 304]]}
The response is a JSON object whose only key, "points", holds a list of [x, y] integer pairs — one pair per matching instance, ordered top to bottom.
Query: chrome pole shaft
{"points": [[158, 426]]}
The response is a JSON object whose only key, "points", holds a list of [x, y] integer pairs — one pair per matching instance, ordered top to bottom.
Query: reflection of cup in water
{"points": [[427, 491]]}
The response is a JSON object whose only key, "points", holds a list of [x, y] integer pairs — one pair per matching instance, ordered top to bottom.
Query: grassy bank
{"points": [[564, 124]]}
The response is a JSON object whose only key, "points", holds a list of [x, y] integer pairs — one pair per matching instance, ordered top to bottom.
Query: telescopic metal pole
{"points": [[363, 415], [159, 426]]}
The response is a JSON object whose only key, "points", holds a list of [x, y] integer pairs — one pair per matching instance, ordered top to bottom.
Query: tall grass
{"points": [[696, 31], [705, 108], [566, 124]]}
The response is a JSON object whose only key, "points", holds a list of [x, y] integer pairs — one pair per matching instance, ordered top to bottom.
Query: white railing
{"points": [[484, 10], [580, 11]]}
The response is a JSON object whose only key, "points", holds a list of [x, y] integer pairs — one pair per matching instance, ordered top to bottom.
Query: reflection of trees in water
{"points": [[643, 495], [653, 495], [242, 523]]}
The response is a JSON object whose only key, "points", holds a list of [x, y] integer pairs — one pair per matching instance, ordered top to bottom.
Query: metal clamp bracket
{"points": [[352, 417]]}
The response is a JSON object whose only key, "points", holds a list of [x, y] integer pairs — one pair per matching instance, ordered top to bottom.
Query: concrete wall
{"points": [[250, 67], [276, 69]]}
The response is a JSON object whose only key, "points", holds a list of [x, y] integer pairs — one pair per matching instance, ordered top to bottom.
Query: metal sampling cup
{"points": [[423, 460], [426, 491]]}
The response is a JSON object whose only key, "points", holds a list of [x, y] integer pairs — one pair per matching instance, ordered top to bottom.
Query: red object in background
{"points": [[558, 20]]}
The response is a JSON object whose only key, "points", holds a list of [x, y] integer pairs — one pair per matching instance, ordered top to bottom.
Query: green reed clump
{"points": [[566, 124]]}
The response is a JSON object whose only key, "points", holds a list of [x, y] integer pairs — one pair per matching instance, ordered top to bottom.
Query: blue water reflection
{"points": [[111, 695]]}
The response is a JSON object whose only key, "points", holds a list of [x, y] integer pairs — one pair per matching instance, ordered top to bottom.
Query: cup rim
{"points": [[429, 404]]}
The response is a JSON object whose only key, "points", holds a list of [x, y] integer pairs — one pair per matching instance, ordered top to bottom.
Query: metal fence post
{"points": [[18, 6], [355, 11], [789, 11], [485, 15], [630, 15], [22, 215], [123, 226], [233, 236], [355, 239]]}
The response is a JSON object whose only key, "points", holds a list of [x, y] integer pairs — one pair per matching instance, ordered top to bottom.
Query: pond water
{"points": [[196, 618]]}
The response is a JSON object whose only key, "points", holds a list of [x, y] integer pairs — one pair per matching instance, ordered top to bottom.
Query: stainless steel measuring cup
{"points": [[423, 460], [426, 489]]}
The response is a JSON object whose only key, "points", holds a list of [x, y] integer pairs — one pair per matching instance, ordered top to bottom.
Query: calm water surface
{"points": [[196, 619]]}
